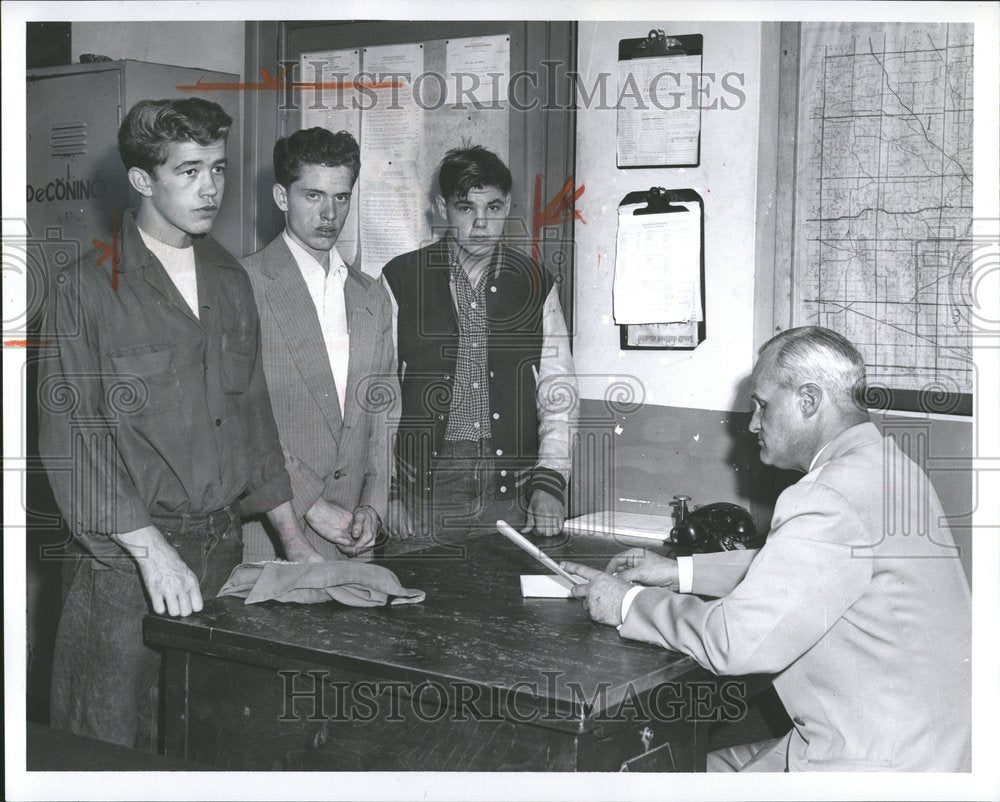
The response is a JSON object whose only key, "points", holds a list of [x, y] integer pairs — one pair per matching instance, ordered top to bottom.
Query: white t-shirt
{"points": [[179, 264]]}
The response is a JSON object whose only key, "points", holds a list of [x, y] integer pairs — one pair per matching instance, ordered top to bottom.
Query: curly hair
{"points": [[314, 146]]}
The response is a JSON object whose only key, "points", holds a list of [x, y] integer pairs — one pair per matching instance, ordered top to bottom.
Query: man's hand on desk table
{"points": [[545, 515], [644, 567], [172, 586], [602, 594]]}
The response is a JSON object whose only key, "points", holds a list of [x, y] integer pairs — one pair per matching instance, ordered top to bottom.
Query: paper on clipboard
{"points": [[655, 127], [658, 265]]}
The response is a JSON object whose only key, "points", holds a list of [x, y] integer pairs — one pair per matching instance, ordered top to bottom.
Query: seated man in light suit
{"points": [[326, 331], [866, 631]]}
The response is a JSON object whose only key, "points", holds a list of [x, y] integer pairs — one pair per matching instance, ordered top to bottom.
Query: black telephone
{"points": [[715, 527]]}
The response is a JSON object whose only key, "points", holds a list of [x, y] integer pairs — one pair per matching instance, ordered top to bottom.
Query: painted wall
{"points": [[206, 45], [707, 378], [659, 423]]}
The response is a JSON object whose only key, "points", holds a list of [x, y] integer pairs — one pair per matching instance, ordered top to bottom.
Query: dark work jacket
{"points": [[427, 335], [143, 408]]}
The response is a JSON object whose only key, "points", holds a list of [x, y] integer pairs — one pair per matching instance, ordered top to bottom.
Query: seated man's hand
{"points": [[545, 514], [397, 520], [332, 523], [364, 528], [646, 568], [603, 593]]}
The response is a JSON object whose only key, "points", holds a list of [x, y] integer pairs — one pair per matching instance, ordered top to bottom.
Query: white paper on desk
{"points": [[478, 68], [330, 103], [657, 123], [658, 265], [623, 524], [545, 586]]}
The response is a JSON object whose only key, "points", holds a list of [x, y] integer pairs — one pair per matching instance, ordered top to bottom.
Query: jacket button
{"points": [[496, 416], [440, 417], [218, 421], [499, 452], [434, 453], [503, 473], [338, 474], [503, 488], [798, 720]]}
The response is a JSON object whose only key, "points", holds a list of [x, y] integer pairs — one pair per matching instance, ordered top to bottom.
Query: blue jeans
{"points": [[462, 502], [105, 681]]}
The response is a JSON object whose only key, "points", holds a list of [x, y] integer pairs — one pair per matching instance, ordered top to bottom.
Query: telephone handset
{"points": [[714, 527]]}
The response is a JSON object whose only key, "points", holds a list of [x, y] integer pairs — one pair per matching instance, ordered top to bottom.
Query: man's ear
{"points": [[141, 181], [280, 195], [506, 205], [810, 398]]}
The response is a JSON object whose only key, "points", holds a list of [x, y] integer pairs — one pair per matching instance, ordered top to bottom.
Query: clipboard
{"points": [[663, 130], [684, 336]]}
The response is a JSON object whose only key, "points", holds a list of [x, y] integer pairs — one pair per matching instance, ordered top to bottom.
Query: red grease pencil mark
{"points": [[277, 84], [555, 211], [110, 250], [27, 343]]}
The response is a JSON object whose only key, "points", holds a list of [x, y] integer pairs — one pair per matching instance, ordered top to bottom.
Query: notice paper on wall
{"points": [[478, 69], [332, 101], [392, 122], [392, 139], [392, 202], [658, 265]]}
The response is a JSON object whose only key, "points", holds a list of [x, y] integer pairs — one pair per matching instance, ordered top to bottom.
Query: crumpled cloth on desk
{"points": [[356, 584]]}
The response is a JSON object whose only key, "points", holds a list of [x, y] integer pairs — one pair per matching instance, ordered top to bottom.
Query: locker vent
{"points": [[68, 139]]}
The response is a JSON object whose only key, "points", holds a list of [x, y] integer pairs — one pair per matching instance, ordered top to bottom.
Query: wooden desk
{"points": [[474, 678]]}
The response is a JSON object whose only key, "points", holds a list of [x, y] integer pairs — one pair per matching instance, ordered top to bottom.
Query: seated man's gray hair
{"points": [[813, 354]]}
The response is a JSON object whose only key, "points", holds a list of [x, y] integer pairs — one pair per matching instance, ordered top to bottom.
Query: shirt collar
{"points": [[159, 246], [307, 262], [456, 270], [814, 459]]}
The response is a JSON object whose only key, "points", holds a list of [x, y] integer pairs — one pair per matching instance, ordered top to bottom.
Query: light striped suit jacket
{"points": [[345, 458], [858, 605]]}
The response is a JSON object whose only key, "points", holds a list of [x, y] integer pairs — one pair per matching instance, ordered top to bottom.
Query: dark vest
{"points": [[427, 330]]}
